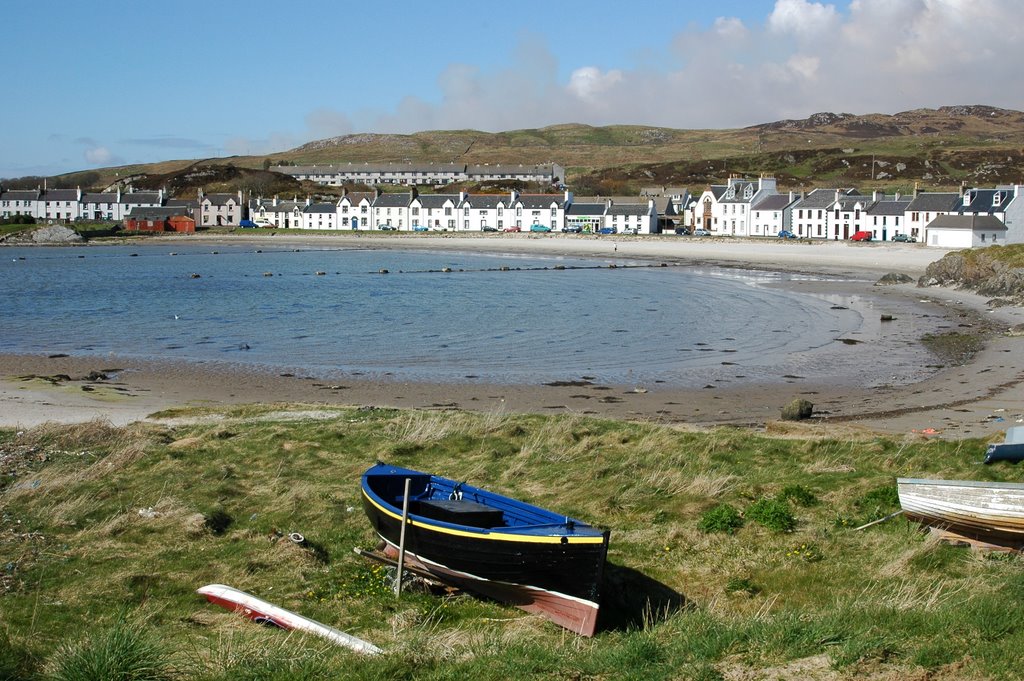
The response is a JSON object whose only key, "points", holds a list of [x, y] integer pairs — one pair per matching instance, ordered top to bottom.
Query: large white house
{"points": [[726, 209]]}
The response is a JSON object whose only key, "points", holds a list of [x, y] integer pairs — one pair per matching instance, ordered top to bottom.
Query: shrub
{"points": [[799, 495], [878, 503], [773, 514], [721, 518], [125, 651]]}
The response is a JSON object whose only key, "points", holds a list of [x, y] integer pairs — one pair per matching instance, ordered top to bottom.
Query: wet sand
{"points": [[980, 399]]}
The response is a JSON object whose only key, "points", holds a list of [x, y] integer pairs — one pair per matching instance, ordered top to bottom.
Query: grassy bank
{"points": [[106, 533]]}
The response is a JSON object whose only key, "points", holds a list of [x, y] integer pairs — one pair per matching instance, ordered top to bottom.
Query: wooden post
{"points": [[401, 539]]}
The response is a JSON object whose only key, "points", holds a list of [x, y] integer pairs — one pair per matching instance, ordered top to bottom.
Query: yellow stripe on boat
{"points": [[490, 534]]}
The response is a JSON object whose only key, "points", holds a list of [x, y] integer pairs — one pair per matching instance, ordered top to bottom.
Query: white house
{"points": [[925, 207], [220, 209], [725, 209], [354, 210], [544, 210], [391, 211], [434, 212], [811, 215], [320, 216], [768, 216], [885, 217], [631, 218], [965, 231]]}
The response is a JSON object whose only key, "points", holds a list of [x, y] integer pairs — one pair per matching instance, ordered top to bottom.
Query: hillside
{"points": [[936, 148]]}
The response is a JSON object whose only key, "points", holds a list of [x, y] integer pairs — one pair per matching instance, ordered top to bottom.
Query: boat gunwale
{"points": [[961, 483], [581, 532]]}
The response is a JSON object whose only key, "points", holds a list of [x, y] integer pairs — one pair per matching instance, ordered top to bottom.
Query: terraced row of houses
{"points": [[419, 174], [740, 207], [461, 212], [970, 217]]}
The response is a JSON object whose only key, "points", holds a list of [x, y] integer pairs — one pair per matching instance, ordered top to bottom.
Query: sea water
{"points": [[433, 316]]}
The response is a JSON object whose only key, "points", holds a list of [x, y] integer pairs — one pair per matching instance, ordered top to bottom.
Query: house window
{"points": [[465, 211]]}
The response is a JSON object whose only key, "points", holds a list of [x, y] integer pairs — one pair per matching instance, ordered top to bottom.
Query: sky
{"points": [[113, 82]]}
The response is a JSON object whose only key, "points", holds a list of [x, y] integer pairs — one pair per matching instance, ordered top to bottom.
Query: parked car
{"points": [[247, 223], [388, 228], [420, 228], [488, 228], [539, 228], [513, 229], [572, 229], [608, 230], [631, 230], [680, 230], [701, 232], [786, 234], [861, 236], [905, 238]]}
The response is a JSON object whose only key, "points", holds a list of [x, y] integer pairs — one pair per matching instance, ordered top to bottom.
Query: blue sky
{"points": [[108, 82]]}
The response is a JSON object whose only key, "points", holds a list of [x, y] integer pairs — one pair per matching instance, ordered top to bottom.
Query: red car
{"points": [[513, 229], [861, 236]]}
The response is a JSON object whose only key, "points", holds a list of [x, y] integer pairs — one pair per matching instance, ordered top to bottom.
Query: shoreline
{"points": [[979, 399]]}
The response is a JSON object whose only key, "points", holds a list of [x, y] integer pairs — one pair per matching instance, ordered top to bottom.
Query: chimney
{"points": [[915, 190], [874, 195], [463, 196], [791, 196], [837, 196], [568, 197], [275, 200], [308, 201]]}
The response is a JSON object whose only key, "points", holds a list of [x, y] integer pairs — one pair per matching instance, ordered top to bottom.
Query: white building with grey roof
{"points": [[417, 174]]}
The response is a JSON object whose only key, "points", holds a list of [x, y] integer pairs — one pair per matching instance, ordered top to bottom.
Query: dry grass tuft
{"points": [[426, 427], [88, 435]]}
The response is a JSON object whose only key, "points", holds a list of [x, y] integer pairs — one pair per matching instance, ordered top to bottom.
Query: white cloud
{"points": [[803, 18], [802, 57], [589, 82], [98, 156]]}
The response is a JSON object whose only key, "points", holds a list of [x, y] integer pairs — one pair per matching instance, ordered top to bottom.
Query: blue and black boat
{"points": [[490, 544]]}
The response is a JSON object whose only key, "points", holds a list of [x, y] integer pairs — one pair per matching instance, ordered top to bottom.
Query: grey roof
{"points": [[372, 168], [498, 169], [739, 188], [718, 191], [20, 194], [60, 195], [100, 197], [141, 197], [355, 198], [823, 198], [220, 199], [392, 200], [437, 200], [485, 200], [540, 200], [983, 201], [773, 202], [935, 202], [186, 203], [889, 207], [320, 208], [585, 209], [629, 209], [157, 212], [973, 222]]}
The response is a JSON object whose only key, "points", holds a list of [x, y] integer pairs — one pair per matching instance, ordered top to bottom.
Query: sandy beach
{"points": [[980, 399]]}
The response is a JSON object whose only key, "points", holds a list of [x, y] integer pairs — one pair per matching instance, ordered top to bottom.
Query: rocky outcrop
{"points": [[55, 235], [984, 271], [894, 278]]}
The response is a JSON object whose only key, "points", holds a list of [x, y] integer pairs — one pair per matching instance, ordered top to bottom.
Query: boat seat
{"points": [[458, 512]]}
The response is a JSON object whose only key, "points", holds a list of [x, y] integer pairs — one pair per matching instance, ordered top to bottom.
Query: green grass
{"points": [[102, 526]]}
